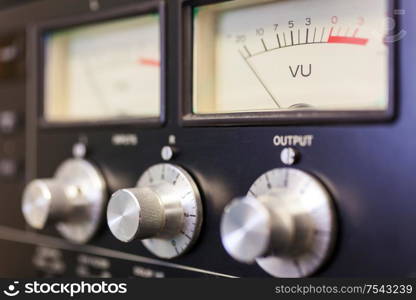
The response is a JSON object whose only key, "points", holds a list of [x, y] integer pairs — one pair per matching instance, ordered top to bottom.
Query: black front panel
{"points": [[367, 167]]}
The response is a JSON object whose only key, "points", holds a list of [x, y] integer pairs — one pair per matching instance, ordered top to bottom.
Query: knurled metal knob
{"points": [[46, 201], [72, 201], [163, 211], [135, 213], [285, 224], [250, 229]]}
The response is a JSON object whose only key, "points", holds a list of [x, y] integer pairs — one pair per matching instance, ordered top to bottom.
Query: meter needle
{"points": [[149, 62], [260, 80]]}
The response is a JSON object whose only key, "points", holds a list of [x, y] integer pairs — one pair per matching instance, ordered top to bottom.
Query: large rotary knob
{"points": [[47, 201], [72, 201], [163, 210], [140, 213], [285, 223]]}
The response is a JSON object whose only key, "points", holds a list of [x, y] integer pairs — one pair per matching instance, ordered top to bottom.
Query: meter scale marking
{"points": [[332, 39], [338, 39], [347, 40], [149, 62]]}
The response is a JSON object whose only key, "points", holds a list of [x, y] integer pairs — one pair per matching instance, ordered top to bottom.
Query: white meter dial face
{"points": [[327, 55], [104, 71], [179, 184]]}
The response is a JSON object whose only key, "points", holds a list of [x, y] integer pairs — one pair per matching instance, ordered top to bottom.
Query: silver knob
{"points": [[46, 201], [72, 201], [164, 211], [136, 213], [285, 224], [251, 228]]}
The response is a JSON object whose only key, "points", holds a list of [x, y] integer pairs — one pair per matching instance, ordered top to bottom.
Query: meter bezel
{"points": [[37, 60], [189, 118]]}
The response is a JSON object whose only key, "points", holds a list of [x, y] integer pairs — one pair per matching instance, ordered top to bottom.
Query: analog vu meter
{"points": [[314, 55], [103, 71]]}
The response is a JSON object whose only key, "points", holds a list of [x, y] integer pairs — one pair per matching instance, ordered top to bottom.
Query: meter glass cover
{"points": [[314, 55], [103, 71]]}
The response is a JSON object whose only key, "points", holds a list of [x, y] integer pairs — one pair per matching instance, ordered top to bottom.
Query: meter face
{"points": [[319, 55], [103, 71]]}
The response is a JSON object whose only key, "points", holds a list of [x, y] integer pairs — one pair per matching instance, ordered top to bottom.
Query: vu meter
{"points": [[319, 55], [103, 71]]}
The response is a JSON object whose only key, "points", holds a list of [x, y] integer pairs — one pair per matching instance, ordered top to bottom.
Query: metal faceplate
{"points": [[177, 183], [90, 203]]}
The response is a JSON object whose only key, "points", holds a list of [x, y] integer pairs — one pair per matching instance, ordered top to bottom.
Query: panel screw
{"points": [[79, 150], [168, 152], [289, 156]]}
